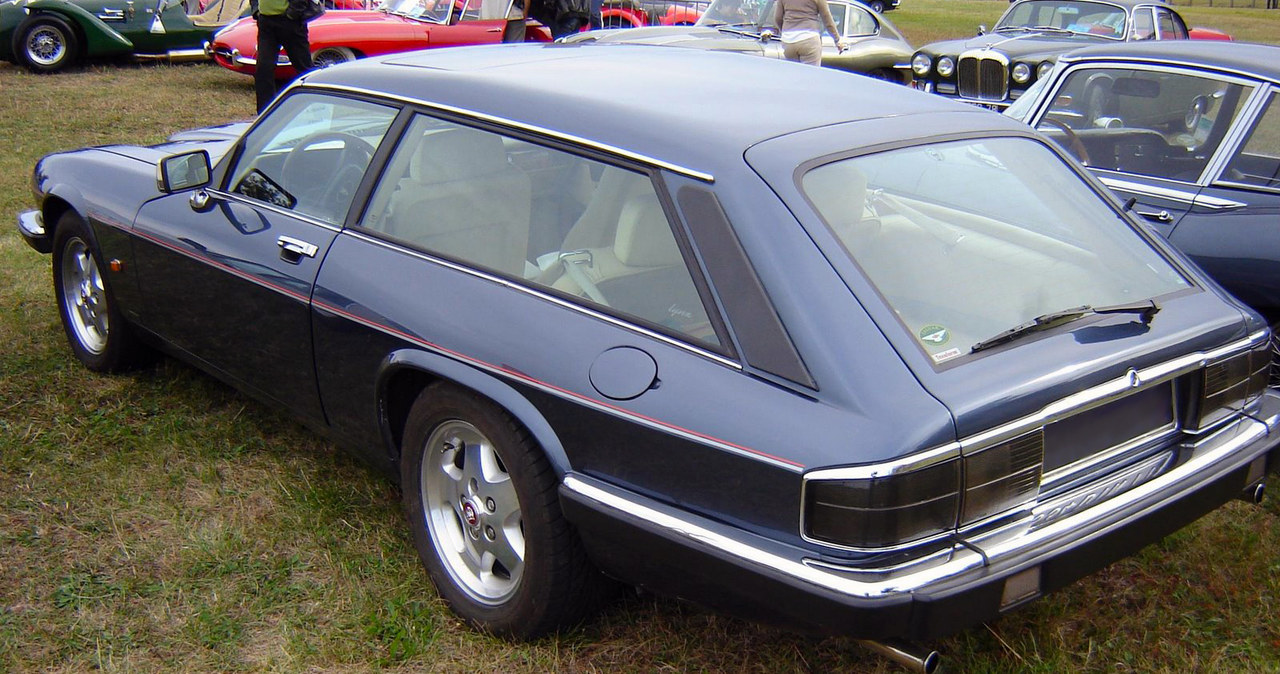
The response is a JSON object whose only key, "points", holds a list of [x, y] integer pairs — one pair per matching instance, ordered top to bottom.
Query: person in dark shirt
{"points": [[281, 23]]}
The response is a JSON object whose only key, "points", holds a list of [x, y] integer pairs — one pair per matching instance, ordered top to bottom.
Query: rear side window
{"points": [[1258, 161], [552, 219]]}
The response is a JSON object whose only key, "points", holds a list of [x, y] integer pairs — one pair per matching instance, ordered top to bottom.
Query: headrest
{"points": [[457, 154], [840, 192], [644, 237]]}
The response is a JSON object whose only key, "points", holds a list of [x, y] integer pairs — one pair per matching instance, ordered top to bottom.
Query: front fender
{"points": [[99, 38], [493, 388]]}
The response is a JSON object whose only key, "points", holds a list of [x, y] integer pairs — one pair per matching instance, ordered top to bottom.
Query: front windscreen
{"points": [[738, 13], [1092, 18], [967, 239]]}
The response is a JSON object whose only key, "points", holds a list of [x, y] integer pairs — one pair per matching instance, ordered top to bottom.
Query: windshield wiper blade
{"points": [[738, 29], [1145, 310]]}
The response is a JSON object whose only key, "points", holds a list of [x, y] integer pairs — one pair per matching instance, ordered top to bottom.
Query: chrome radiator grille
{"points": [[983, 76]]}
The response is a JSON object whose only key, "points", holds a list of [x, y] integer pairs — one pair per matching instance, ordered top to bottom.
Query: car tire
{"points": [[877, 6], [46, 44], [332, 56], [99, 335], [482, 501]]}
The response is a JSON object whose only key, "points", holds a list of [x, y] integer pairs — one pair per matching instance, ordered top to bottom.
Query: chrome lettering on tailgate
{"points": [[1100, 491]]}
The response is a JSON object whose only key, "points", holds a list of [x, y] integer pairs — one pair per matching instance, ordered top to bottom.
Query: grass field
{"points": [[161, 521]]}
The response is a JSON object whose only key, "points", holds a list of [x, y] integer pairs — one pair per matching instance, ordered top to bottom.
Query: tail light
{"points": [[1230, 385], [857, 509]]}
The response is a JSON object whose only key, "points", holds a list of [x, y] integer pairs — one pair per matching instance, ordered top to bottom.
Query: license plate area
{"points": [[1109, 430]]}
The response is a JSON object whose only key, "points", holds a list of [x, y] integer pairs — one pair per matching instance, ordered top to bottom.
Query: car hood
{"points": [[673, 36], [1017, 46], [215, 140]]}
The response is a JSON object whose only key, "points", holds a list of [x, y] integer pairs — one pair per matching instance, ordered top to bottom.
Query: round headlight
{"points": [[921, 64], [946, 66], [1043, 70], [1021, 73]]}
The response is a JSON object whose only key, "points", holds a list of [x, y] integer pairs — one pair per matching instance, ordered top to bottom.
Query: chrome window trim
{"points": [[542, 131], [1190, 198], [254, 203], [529, 290], [997, 545]]}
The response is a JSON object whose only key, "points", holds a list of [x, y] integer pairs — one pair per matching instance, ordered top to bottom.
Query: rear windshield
{"points": [[970, 238]]}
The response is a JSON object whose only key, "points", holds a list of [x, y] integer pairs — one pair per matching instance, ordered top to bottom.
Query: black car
{"points": [[994, 69], [1190, 133], [781, 354]]}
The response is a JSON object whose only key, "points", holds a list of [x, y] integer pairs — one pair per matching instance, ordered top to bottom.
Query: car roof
{"points": [[1257, 60], [683, 106]]}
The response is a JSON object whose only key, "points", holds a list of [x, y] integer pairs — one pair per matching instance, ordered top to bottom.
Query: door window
{"points": [[1143, 28], [1171, 28], [1164, 124], [310, 154], [1258, 160], [552, 219]]}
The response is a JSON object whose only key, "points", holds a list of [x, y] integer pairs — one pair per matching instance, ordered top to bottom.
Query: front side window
{"points": [[1159, 123], [310, 154], [1258, 160], [576, 226], [967, 239]]}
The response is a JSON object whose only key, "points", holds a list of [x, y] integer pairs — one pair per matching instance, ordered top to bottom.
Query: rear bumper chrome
{"points": [[1055, 543]]}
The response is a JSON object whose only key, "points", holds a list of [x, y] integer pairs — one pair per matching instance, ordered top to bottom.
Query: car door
{"points": [[476, 22], [1151, 133], [1233, 231], [226, 275]]}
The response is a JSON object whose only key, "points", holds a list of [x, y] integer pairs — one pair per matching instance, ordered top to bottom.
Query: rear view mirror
{"points": [[1136, 87], [185, 171]]}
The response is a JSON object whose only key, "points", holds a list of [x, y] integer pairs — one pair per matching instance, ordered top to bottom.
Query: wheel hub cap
{"points": [[472, 512]]}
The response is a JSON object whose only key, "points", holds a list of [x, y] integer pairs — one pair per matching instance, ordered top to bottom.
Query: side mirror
{"points": [[982, 29], [185, 171]]}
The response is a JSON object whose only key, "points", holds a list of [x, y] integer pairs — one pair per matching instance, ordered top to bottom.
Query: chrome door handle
{"points": [[1161, 216], [292, 249]]}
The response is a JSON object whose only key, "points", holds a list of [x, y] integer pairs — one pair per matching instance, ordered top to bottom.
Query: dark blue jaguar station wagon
{"points": [[811, 348]]}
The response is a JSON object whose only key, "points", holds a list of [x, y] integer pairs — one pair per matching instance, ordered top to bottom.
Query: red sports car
{"points": [[396, 26]]}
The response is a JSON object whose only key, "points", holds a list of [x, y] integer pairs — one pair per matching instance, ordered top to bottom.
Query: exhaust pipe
{"points": [[1254, 494], [912, 657]]}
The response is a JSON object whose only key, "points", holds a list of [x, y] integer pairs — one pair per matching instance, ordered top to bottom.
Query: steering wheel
{"points": [[1073, 141], [345, 177]]}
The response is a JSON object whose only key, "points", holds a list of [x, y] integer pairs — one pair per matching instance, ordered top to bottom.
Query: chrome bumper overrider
{"points": [[31, 227], [1082, 514]]}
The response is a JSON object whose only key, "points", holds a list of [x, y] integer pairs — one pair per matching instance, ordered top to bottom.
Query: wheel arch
{"points": [[96, 37], [52, 210], [406, 373]]}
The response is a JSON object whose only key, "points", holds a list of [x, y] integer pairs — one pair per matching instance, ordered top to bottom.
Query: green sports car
{"points": [[50, 35]]}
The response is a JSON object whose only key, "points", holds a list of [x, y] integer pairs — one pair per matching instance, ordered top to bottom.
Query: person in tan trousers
{"points": [[801, 23]]}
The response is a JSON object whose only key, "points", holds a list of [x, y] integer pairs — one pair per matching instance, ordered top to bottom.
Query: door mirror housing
{"points": [[185, 171]]}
